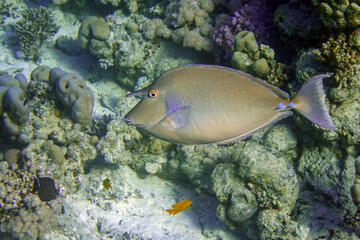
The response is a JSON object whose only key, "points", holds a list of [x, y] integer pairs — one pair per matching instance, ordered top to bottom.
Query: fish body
{"points": [[201, 104], [45, 188], [178, 207]]}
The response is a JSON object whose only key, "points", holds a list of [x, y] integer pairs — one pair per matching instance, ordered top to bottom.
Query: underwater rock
{"points": [[298, 20], [68, 45], [308, 65], [110, 102], [346, 114], [280, 138], [113, 145], [13, 157], [40, 161], [197, 162], [330, 173], [322, 175], [271, 178], [355, 189], [239, 203], [277, 224]]}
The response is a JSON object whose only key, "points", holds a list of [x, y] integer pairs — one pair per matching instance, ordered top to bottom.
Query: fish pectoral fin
{"points": [[178, 118]]}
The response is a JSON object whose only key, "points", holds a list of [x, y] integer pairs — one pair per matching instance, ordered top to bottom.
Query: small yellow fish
{"points": [[178, 207]]}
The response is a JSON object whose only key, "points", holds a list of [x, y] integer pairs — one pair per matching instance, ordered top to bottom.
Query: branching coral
{"points": [[5, 10], [33, 29], [342, 57]]}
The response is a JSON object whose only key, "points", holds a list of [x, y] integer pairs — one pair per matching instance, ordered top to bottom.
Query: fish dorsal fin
{"points": [[275, 90], [178, 118], [277, 118]]}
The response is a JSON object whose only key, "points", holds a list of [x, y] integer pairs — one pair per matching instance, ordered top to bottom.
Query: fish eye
{"points": [[153, 93]]}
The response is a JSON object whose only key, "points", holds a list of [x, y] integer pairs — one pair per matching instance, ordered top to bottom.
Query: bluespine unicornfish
{"points": [[202, 104]]}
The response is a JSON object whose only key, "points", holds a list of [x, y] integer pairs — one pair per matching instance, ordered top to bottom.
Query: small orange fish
{"points": [[180, 206]]}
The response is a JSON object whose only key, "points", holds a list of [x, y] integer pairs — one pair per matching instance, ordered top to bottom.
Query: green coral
{"points": [[5, 10], [339, 14], [187, 22], [33, 29], [342, 57], [258, 60]]}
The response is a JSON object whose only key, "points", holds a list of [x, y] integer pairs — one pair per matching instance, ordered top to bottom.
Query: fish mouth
{"points": [[130, 121]]}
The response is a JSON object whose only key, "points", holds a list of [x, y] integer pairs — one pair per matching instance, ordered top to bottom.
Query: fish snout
{"points": [[129, 120]]}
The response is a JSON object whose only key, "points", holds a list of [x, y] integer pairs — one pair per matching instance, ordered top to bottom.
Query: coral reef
{"points": [[130, 5], [6, 9], [339, 14], [253, 17], [297, 19], [187, 22], [33, 29], [92, 35], [68, 45], [340, 54], [135, 56], [342, 57], [257, 60], [308, 65], [72, 91], [14, 111], [121, 145], [237, 203], [22, 213]]}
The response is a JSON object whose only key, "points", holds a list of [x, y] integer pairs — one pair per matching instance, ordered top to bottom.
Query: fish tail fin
{"points": [[310, 102], [170, 211]]}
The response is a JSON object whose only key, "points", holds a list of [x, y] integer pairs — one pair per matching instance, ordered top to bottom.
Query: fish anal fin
{"points": [[178, 118], [277, 118], [169, 211], [172, 211]]}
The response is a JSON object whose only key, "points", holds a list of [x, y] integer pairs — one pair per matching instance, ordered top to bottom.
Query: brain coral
{"points": [[72, 91], [14, 113]]}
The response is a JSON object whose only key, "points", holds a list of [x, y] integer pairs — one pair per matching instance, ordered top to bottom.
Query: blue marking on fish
{"points": [[172, 104], [291, 104], [280, 105]]}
